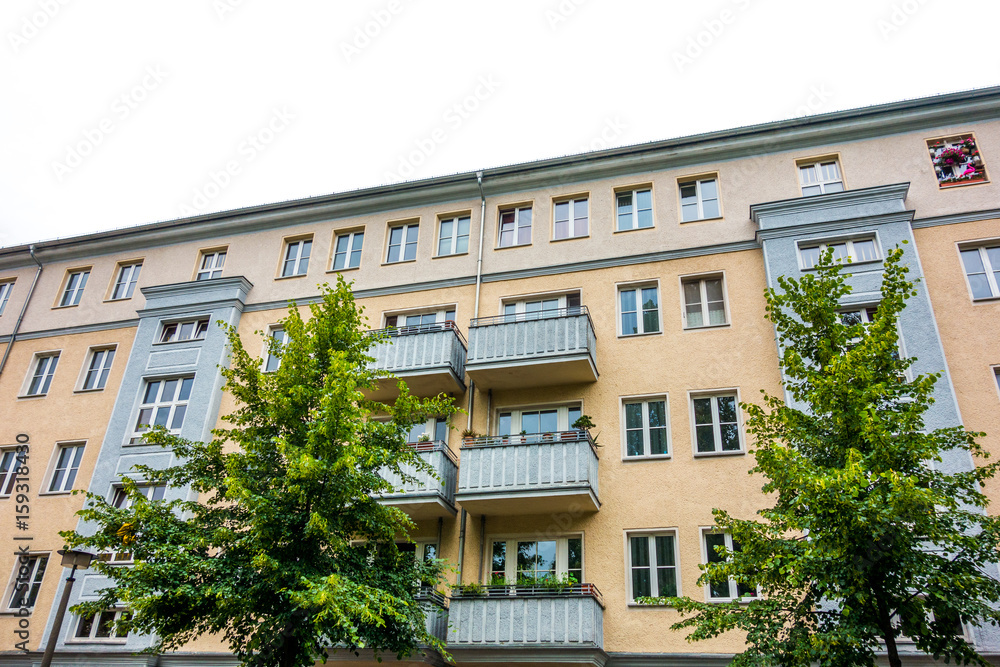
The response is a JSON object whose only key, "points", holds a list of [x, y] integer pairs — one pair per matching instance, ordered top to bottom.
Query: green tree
{"points": [[869, 539], [288, 553]]}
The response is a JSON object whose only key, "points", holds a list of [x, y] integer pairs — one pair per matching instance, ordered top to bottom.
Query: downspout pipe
{"points": [[479, 282], [24, 307], [461, 548]]}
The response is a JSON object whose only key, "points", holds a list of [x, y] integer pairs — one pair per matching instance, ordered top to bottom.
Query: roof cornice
{"points": [[851, 125]]}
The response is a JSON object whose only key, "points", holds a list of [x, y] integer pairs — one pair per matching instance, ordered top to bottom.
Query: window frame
{"points": [[935, 144], [819, 161], [697, 180], [634, 191], [572, 201], [516, 209], [455, 219], [405, 226], [352, 234], [848, 241], [215, 254], [297, 268], [134, 269], [701, 279], [992, 281], [638, 287], [6, 289], [70, 294], [520, 304], [440, 313], [198, 332], [267, 356], [50, 371], [103, 371], [645, 399], [517, 414], [716, 424], [134, 437], [54, 463], [8, 476], [650, 533], [510, 563], [33, 581], [743, 599], [91, 638]]}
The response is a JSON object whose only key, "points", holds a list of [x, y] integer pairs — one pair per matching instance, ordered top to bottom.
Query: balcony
{"points": [[538, 349], [429, 357], [529, 474], [426, 497], [435, 612], [533, 617]]}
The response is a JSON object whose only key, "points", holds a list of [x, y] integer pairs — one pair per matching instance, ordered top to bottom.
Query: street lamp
{"points": [[74, 559]]}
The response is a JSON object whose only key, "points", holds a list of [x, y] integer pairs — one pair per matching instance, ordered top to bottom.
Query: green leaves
{"points": [[288, 553]]}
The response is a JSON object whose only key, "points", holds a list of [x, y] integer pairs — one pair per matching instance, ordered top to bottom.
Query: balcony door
{"points": [[532, 421]]}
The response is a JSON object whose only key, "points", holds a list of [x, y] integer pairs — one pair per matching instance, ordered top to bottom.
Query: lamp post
{"points": [[74, 559]]}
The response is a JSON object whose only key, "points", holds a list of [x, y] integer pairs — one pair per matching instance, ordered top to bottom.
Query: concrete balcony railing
{"points": [[549, 347], [429, 357], [529, 474], [425, 497], [435, 613], [527, 616]]}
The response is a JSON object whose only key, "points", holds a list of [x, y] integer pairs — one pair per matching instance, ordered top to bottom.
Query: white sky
{"points": [[118, 112]]}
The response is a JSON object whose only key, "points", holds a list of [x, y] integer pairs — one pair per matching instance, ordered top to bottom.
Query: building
{"points": [[625, 284]]}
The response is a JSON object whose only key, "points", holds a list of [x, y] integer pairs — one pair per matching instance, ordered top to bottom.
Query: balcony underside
{"points": [[533, 372], [424, 382], [572, 499], [421, 506], [538, 655]]}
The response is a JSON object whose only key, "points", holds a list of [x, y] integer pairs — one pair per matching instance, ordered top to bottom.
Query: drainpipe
{"points": [[482, 229], [24, 307], [482, 545], [461, 548]]}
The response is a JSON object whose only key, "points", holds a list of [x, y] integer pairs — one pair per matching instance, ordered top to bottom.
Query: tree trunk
{"points": [[888, 634]]}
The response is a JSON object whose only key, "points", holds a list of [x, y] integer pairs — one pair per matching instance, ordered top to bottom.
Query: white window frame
{"points": [[822, 182], [634, 193], [700, 198], [571, 221], [515, 231], [452, 240], [404, 243], [355, 244], [850, 253], [296, 255], [215, 260], [702, 279], [125, 280], [992, 280], [75, 283], [6, 287], [638, 288], [516, 308], [442, 314], [196, 328], [276, 332], [99, 361], [43, 366], [996, 377], [715, 394], [645, 400], [172, 405], [562, 416], [429, 429], [9, 464], [70, 470], [118, 500], [510, 556], [654, 564], [34, 581], [733, 593], [74, 637]]}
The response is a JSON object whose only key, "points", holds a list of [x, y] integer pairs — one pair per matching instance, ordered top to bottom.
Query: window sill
{"points": [[960, 184], [715, 219], [634, 229], [570, 238], [509, 247], [456, 254], [402, 261], [847, 265], [346, 268], [297, 275], [124, 298], [986, 299], [68, 305], [709, 326], [641, 335], [179, 342], [88, 391], [24, 396], [709, 455], [640, 459], [56, 493], [743, 600], [631, 604], [120, 641]]}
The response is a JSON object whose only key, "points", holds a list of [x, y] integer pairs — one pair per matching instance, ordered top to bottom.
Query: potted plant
{"points": [[585, 423]]}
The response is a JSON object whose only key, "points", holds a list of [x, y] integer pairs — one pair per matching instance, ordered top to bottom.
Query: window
{"points": [[957, 160], [821, 177], [699, 200], [634, 209], [570, 218], [515, 226], [453, 236], [403, 243], [347, 250], [858, 250], [296, 258], [212, 263], [982, 268], [128, 276], [75, 283], [5, 290], [704, 302], [536, 308], [639, 310], [858, 315], [422, 319], [175, 332], [273, 361], [100, 365], [45, 368], [996, 376], [164, 403], [531, 421], [716, 424], [434, 429], [647, 431], [67, 464], [9, 465], [121, 500], [421, 550], [652, 560], [527, 562], [25, 582], [727, 589], [101, 626]]}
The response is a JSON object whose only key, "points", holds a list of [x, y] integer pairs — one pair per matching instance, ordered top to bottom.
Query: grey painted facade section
{"points": [[878, 213], [220, 299], [562, 337], [423, 352], [424, 485], [545, 622]]}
